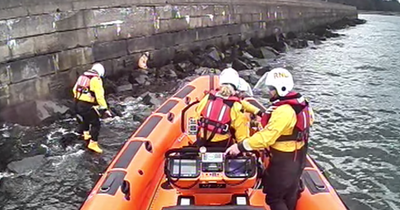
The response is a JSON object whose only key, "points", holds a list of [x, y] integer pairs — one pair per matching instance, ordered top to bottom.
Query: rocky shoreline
{"points": [[151, 87]]}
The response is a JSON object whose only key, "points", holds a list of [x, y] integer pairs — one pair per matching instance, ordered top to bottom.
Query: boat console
{"points": [[193, 170]]}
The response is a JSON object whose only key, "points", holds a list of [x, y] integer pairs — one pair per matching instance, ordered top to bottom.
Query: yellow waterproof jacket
{"points": [[95, 94], [248, 107], [239, 122], [282, 122]]}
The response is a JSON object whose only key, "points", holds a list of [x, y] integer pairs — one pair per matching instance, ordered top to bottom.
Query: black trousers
{"points": [[90, 120], [281, 180]]}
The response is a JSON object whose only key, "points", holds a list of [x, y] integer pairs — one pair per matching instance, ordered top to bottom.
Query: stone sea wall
{"points": [[45, 45]]}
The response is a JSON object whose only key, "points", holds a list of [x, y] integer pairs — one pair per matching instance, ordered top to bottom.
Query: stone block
{"points": [[90, 4], [49, 7], [222, 10], [169, 11], [179, 11], [13, 12], [113, 16], [246, 18], [70, 20], [221, 20], [208, 21], [195, 22], [31, 25], [172, 25], [137, 29], [4, 30], [105, 33], [204, 33], [183, 37], [72, 39], [165, 40], [46, 43], [141, 44], [21, 48], [108, 50], [4, 51], [75, 57], [161, 57], [131, 61], [31, 68], [5, 74], [61, 83], [22, 91], [4, 96]]}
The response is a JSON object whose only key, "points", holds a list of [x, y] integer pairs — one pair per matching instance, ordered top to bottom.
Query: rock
{"points": [[359, 21], [319, 31], [330, 34], [291, 35], [309, 36], [317, 42], [257, 43], [299, 43], [255, 52], [267, 53], [214, 54], [247, 55], [182, 56], [240, 65], [186, 67], [205, 70], [263, 70], [165, 71], [171, 74], [245, 74], [254, 78], [141, 79], [110, 86], [124, 88], [129, 99], [151, 99], [117, 110], [34, 112], [140, 115], [27, 164]]}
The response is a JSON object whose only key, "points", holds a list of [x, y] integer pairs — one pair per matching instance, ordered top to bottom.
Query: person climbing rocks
{"points": [[142, 63], [140, 76], [90, 104], [219, 116], [285, 133]]}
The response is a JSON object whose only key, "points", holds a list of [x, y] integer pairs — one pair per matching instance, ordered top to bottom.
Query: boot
{"points": [[86, 136], [93, 145]]}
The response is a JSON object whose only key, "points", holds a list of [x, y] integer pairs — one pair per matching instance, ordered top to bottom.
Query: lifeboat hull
{"points": [[135, 178]]}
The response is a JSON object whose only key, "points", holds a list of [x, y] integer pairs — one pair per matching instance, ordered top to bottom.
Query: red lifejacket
{"points": [[83, 84], [301, 107], [216, 115]]}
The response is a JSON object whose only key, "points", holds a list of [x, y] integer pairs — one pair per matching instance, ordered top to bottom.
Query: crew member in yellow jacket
{"points": [[90, 104], [219, 115], [285, 133]]}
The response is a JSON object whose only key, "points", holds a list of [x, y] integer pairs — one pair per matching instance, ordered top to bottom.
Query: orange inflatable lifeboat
{"points": [[157, 170]]}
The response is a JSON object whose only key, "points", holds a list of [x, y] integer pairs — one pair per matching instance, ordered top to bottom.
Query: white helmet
{"points": [[97, 67], [229, 76], [281, 79], [245, 87]]}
